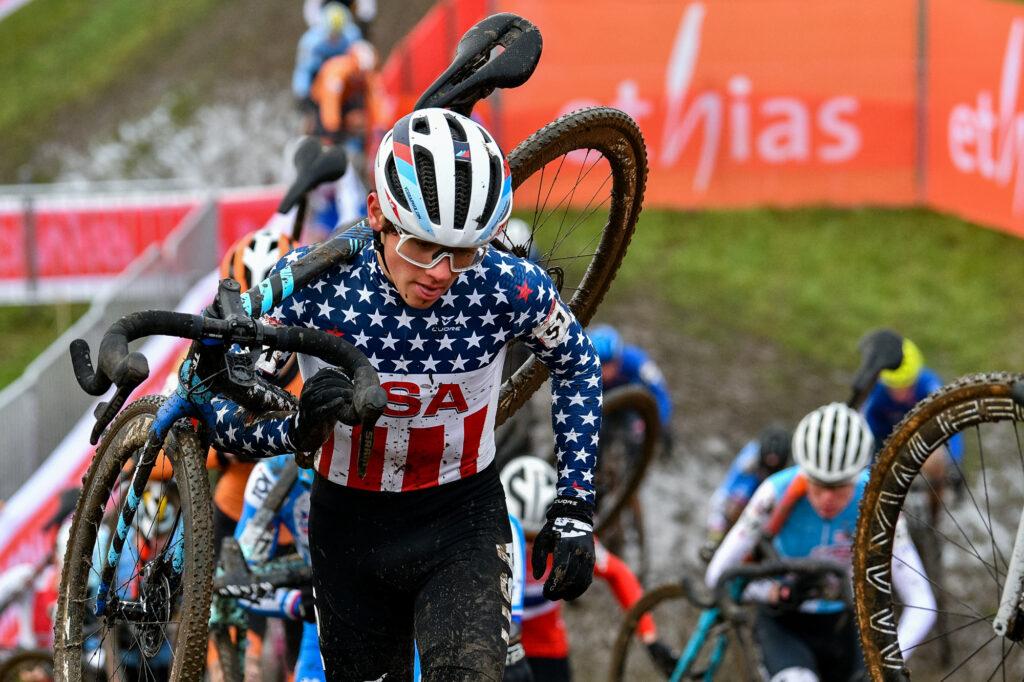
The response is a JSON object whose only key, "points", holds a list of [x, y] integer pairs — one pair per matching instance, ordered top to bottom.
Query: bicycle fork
{"points": [[173, 409], [1009, 620]]}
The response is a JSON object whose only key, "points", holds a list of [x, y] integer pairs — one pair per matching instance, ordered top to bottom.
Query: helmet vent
{"points": [[421, 125], [458, 132], [427, 181], [394, 184], [493, 188], [463, 192]]}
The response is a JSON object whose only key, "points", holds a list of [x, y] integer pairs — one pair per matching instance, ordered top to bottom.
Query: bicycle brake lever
{"points": [[106, 411]]}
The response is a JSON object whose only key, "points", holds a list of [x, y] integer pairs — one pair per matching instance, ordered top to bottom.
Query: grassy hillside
{"points": [[60, 53], [813, 280], [27, 330]]}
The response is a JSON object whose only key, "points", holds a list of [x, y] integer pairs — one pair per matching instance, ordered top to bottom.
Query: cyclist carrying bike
{"points": [[623, 364], [895, 394], [759, 459], [529, 484], [810, 510], [416, 547]]}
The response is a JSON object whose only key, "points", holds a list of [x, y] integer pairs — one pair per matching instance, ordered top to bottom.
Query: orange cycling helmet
{"points": [[250, 259], [248, 262]]}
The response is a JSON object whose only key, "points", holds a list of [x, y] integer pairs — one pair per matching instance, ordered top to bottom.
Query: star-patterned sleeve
{"points": [[545, 323], [237, 430]]}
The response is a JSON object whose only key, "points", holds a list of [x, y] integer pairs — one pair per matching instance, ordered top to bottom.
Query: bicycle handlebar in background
{"points": [[501, 51], [880, 349], [815, 568]]}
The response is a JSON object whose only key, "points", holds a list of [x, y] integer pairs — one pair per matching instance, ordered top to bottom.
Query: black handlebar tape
{"points": [[269, 293], [92, 382]]}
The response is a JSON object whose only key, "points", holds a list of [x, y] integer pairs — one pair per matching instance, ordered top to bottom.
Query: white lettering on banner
{"points": [[779, 130], [988, 143]]}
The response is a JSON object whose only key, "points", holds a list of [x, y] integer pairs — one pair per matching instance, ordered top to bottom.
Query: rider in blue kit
{"points": [[623, 364], [896, 393], [810, 510]]}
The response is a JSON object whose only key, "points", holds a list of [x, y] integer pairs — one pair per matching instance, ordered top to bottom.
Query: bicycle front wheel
{"points": [[579, 184], [974, 530], [154, 626]]}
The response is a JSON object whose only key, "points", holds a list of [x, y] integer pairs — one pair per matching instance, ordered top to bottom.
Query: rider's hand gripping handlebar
{"points": [[234, 326]]}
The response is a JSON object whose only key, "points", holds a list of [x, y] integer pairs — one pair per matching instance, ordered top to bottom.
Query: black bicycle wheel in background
{"points": [[579, 184], [629, 437], [976, 528], [168, 642]]}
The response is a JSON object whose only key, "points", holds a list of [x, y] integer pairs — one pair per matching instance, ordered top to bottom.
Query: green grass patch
{"points": [[59, 52], [814, 280], [27, 330]]}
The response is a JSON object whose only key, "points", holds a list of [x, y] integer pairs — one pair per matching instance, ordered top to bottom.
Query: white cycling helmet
{"points": [[442, 178], [832, 444], [529, 484]]}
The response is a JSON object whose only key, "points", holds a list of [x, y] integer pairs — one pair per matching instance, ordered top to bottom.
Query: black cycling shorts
{"points": [[429, 565], [824, 643]]}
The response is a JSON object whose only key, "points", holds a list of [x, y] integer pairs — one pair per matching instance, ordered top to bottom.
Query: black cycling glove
{"points": [[325, 399], [569, 536], [307, 604]]}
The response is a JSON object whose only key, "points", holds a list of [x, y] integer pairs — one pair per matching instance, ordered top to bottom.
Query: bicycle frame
{"points": [[193, 400], [1009, 601], [706, 623]]}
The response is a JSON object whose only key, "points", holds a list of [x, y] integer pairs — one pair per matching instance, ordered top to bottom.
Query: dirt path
{"points": [[242, 55], [725, 391]]}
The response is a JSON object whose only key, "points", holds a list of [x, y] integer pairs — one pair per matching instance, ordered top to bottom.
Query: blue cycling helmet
{"points": [[607, 342]]}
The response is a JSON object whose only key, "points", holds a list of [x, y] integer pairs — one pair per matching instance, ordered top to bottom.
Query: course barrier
{"points": [[789, 102]]}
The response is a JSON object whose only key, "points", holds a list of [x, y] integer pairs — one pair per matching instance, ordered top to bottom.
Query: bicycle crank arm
{"points": [[1008, 620]]}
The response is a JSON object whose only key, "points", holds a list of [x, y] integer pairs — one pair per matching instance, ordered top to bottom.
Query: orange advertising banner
{"points": [[742, 102], [975, 138]]}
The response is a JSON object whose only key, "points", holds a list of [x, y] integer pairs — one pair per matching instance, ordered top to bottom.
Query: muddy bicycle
{"points": [[586, 172], [980, 534], [713, 628]]}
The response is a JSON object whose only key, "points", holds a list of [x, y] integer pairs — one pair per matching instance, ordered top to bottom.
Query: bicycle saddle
{"points": [[478, 69]]}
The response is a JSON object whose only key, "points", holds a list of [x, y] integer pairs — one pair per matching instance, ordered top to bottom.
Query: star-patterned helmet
{"points": [[442, 178]]}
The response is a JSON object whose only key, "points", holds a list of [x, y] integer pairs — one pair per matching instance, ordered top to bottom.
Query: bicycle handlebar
{"points": [[475, 73], [116, 365], [815, 568]]}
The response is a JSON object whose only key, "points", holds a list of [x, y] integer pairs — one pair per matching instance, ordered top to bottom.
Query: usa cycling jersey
{"points": [[441, 368], [636, 368], [883, 412], [735, 491], [805, 534], [544, 631]]}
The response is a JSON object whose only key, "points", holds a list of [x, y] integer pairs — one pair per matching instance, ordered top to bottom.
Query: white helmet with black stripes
{"points": [[442, 178], [832, 444], [529, 484]]}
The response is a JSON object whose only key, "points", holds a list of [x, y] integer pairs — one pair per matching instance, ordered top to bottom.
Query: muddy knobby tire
{"points": [[618, 139], [123, 438]]}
